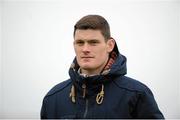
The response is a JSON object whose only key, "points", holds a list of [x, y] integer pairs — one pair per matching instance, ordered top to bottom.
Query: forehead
{"points": [[88, 34]]}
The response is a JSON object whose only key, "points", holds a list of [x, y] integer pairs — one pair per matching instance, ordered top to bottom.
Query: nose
{"points": [[86, 48]]}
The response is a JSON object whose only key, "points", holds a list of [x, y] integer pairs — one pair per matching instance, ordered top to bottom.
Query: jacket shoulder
{"points": [[131, 84], [59, 87], [144, 101]]}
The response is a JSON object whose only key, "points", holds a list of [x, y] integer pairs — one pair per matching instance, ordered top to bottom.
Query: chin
{"points": [[86, 67]]}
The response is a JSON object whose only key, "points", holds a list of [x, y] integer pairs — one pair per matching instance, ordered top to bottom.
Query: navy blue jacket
{"points": [[123, 97]]}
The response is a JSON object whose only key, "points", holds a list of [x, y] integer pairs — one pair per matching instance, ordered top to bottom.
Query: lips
{"points": [[87, 57]]}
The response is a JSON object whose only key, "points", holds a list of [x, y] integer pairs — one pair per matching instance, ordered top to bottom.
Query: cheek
{"points": [[76, 51], [102, 51], [78, 54], [102, 54]]}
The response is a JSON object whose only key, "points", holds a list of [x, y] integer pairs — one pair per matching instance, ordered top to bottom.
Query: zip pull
{"points": [[84, 90], [100, 96]]}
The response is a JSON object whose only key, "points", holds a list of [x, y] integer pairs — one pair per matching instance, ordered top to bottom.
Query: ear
{"points": [[110, 45]]}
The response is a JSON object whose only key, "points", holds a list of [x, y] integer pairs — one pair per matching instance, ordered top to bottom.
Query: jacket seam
{"points": [[132, 90]]}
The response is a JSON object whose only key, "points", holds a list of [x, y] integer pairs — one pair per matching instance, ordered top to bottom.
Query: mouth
{"points": [[86, 57]]}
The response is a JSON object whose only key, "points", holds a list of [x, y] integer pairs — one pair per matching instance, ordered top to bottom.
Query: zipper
{"points": [[84, 90], [86, 100], [86, 109]]}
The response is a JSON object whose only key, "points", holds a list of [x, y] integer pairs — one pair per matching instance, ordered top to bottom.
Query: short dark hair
{"points": [[95, 22]]}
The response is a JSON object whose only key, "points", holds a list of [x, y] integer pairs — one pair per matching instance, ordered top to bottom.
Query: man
{"points": [[97, 87]]}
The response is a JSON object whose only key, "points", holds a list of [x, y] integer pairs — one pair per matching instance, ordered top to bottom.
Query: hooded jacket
{"points": [[110, 94]]}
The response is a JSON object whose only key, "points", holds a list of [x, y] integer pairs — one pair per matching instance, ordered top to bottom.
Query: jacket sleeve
{"points": [[146, 106], [43, 110]]}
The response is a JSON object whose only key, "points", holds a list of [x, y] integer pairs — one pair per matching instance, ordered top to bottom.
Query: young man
{"points": [[97, 87]]}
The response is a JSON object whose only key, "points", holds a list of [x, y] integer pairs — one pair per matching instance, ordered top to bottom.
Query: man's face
{"points": [[91, 50]]}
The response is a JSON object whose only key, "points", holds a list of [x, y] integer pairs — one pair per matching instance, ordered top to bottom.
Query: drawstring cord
{"points": [[84, 90], [72, 94], [99, 97]]}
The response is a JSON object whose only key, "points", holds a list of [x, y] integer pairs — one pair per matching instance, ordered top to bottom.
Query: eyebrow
{"points": [[87, 40]]}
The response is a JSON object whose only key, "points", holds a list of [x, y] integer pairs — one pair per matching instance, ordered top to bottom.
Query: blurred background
{"points": [[36, 48]]}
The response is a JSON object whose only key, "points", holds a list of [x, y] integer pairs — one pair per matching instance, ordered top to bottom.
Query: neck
{"points": [[89, 72]]}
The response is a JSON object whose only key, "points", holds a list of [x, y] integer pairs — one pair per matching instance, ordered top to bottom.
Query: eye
{"points": [[79, 42], [93, 42]]}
